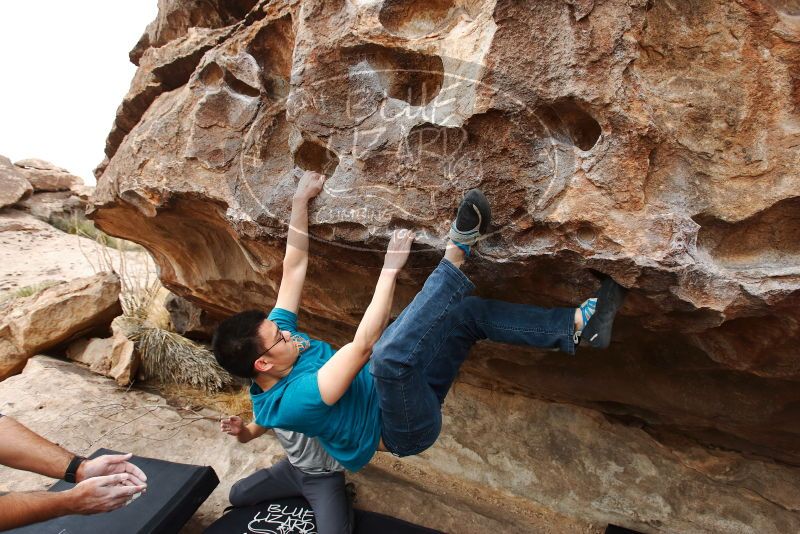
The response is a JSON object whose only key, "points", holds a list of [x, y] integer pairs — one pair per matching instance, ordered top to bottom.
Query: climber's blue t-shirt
{"points": [[349, 430]]}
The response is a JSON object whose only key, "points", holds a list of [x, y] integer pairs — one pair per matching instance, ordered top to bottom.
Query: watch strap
{"points": [[72, 468]]}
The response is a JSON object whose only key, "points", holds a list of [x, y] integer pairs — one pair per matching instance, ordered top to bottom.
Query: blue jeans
{"points": [[418, 357]]}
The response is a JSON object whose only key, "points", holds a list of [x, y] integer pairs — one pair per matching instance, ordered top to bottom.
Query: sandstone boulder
{"points": [[178, 17], [164, 69], [632, 138], [652, 141], [39, 165], [45, 176], [13, 186], [83, 192], [46, 205], [55, 316], [189, 319], [94, 353], [114, 357], [125, 360]]}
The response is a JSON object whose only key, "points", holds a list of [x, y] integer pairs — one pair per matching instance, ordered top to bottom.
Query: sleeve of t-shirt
{"points": [[285, 319], [302, 407]]}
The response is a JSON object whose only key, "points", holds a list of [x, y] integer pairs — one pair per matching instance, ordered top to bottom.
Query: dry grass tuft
{"points": [[137, 301], [167, 357], [171, 358], [228, 402]]}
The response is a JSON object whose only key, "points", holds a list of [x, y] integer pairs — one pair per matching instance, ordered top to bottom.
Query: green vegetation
{"points": [[79, 225], [27, 291]]}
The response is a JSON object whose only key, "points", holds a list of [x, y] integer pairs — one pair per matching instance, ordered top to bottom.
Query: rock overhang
{"points": [[604, 137]]}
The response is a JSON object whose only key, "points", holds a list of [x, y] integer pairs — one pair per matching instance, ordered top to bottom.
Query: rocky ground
{"points": [[33, 252], [83, 412], [570, 456]]}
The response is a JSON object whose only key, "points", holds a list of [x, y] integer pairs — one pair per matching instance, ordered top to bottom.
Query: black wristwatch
{"points": [[72, 469]]}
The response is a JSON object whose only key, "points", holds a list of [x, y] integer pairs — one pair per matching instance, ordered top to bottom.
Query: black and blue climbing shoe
{"points": [[472, 220], [597, 332]]}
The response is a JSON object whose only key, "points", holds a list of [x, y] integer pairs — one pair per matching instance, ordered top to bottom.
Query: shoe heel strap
{"points": [[464, 238]]}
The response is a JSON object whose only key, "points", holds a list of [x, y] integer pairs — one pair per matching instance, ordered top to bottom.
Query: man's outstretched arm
{"points": [[295, 262], [336, 375], [234, 426], [24, 449], [105, 483], [92, 496], [19, 509]]}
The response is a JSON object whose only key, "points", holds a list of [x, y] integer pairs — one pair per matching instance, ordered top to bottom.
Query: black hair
{"points": [[236, 343]]}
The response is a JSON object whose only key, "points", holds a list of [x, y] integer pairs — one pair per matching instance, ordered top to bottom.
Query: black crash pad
{"points": [[174, 493], [294, 516]]}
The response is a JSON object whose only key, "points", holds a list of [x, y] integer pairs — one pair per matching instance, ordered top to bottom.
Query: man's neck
{"points": [[266, 381]]}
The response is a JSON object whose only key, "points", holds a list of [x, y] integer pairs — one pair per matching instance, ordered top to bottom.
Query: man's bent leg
{"points": [[516, 324], [419, 325], [409, 410], [411, 417], [277, 482], [328, 498]]}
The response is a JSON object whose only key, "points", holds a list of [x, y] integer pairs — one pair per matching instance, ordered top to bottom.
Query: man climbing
{"points": [[303, 385]]}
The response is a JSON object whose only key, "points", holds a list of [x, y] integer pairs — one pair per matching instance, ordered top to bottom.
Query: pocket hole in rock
{"points": [[418, 18], [272, 48], [211, 74], [405, 75], [568, 122], [312, 156], [586, 235], [766, 240]]}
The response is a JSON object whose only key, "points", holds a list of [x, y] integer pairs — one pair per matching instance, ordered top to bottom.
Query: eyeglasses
{"points": [[274, 344]]}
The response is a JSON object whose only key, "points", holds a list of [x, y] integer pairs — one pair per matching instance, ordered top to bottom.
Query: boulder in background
{"points": [[45, 176], [13, 186], [49, 204], [55, 316], [190, 320], [93, 352], [114, 357], [125, 359]]}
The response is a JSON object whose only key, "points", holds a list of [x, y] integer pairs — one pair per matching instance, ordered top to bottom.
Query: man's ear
{"points": [[262, 365]]}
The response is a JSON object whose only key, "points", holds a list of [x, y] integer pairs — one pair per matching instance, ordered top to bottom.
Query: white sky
{"points": [[64, 69]]}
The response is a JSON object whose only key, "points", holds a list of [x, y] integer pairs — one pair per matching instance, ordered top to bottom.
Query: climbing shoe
{"points": [[472, 220], [597, 332]]}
